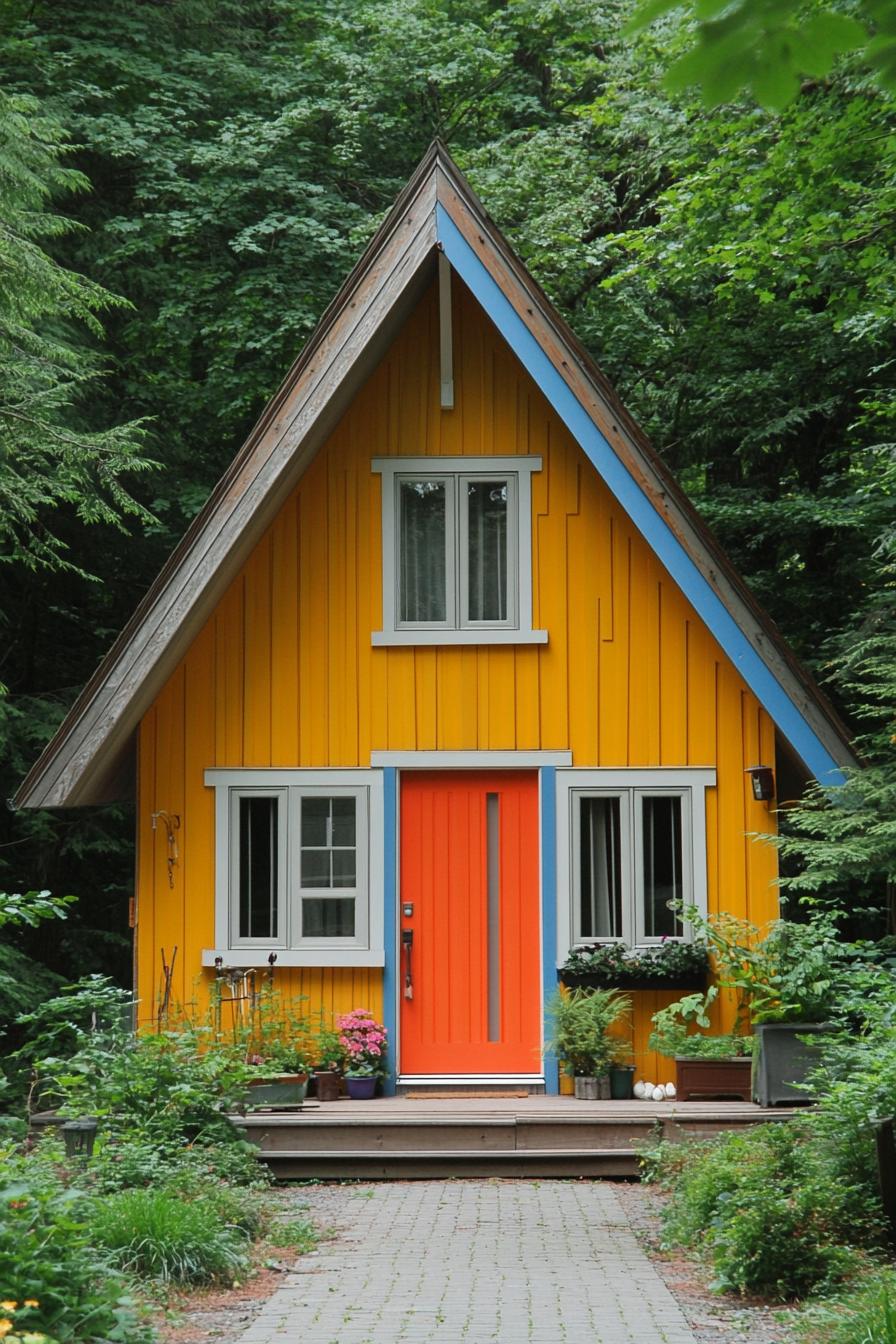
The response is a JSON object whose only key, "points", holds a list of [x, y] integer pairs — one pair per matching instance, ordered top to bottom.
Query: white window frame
{"points": [[457, 628], [630, 785], [366, 948]]}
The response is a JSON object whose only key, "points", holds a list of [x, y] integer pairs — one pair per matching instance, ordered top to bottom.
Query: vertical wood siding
{"points": [[284, 672]]}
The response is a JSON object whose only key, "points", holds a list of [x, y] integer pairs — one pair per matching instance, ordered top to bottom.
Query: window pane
{"points": [[487, 536], [422, 551], [315, 815], [343, 821], [661, 831], [600, 861], [343, 867], [258, 868], [315, 868], [328, 919]]}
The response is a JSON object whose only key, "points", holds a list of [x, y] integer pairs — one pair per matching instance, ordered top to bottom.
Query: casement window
{"points": [[457, 550], [629, 843], [299, 867]]}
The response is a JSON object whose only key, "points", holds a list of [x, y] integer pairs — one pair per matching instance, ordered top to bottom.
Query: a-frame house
{"points": [[447, 654]]}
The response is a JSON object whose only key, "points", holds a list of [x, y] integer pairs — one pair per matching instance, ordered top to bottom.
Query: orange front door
{"points": [[469, 869]]}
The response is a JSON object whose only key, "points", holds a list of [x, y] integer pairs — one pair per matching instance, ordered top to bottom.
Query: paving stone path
{"points": [[465, 1262]]}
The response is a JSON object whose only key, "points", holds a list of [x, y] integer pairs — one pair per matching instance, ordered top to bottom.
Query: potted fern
{"points": [[582, 1021]]}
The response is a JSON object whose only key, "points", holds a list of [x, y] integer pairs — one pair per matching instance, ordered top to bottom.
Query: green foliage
{"points": [[769, 46], [46, 460], [840, 843], [31, 907], [613, 964], [787, 972], [581, 1020], [672, 1036], [168, 1088], [128, 1161], [764, 1210], [293, 1234], [159, 1235], [47, 1255], [866, 1314]]}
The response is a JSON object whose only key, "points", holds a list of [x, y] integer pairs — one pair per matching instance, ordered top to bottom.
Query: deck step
{"points": [[396, 1139], [376, 1164]]}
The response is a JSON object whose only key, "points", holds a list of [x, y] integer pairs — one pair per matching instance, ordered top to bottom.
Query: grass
{"points": [[296, 1234], [157, 1235], [865, 1314]]}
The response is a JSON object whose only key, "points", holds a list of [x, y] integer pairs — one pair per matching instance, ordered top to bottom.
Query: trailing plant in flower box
{"points": [[670, 963]]}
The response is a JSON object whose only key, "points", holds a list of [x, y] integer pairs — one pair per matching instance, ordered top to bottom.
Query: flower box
{"points": [[668, 965], [703, 1079], [280, 1089]]}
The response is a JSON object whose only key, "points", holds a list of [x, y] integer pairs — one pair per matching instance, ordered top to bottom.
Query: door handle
{"points": [[407, 942]]}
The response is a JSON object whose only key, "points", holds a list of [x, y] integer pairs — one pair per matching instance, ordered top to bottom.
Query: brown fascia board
{"points": [[630, 443], [82, 763]]}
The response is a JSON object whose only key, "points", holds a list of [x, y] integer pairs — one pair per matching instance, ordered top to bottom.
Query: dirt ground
{"points": [[220, 1316]]}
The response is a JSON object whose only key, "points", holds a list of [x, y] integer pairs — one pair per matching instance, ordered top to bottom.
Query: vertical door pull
{"points": [[407, 942]]}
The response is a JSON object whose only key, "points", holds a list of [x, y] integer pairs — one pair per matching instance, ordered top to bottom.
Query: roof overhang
{"points": [[85, 761]]}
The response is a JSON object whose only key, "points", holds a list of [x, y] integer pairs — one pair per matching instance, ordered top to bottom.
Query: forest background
{"points": [[184, 184]]}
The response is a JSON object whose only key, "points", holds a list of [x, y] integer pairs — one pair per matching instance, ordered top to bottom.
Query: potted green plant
{"points": [[669, 964], [788, 977], [582, 1020], [363, 1041], [278, 1051], [706, 1065], [622, 1071], [282, 1078]]}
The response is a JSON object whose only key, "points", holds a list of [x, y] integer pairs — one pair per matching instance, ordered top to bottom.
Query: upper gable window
{"points": [[457, 550]]}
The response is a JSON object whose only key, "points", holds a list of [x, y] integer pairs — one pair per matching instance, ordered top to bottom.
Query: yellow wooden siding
{"points": [[284, 673]]}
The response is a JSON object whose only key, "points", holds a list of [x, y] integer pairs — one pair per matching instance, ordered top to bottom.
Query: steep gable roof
{"points": [[89, 757]]}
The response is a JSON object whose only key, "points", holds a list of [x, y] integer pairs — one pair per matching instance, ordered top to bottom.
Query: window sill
{"points": [[386, 638], [248, 957]]}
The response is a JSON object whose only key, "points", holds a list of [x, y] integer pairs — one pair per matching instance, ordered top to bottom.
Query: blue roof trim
{"points": [[668, 549]]}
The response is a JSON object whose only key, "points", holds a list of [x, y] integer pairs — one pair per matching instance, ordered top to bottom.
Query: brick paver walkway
{"points": [[467, 1262]]}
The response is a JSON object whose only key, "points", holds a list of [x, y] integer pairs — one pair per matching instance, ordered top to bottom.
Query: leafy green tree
{"points": [[768, 47], [47, 459]]}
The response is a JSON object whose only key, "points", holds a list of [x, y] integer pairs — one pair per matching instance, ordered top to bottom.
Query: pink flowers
{"points": [[363, 1040]]}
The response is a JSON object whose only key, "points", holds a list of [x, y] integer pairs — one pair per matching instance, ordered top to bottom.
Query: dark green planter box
{"points": [[593, 980], [782, 1060], [285, 1089]]}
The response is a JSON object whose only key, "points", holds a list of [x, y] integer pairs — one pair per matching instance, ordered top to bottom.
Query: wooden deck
{"points": [[399, 1138]]}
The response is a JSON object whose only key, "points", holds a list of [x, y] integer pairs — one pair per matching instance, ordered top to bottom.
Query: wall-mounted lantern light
{"points": [[762, 778]]}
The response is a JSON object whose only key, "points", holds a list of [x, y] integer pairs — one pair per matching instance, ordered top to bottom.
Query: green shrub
{"points": [[165, 1089], [123, 1162], [764, 1207], [159, 1235], [47, 1257]]}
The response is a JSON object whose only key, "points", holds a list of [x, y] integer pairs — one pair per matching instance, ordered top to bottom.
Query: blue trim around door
{"points": [[631, 497], [548, 802], [390, 922]]}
